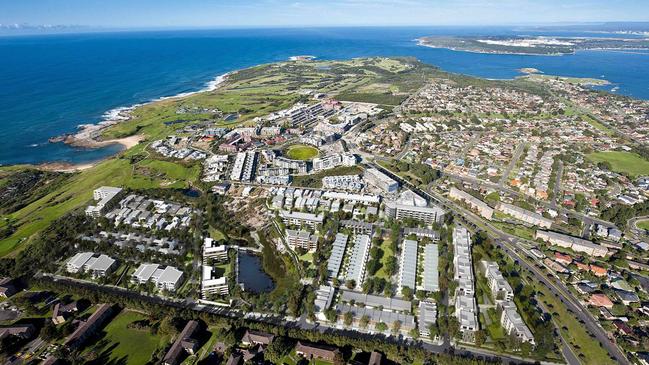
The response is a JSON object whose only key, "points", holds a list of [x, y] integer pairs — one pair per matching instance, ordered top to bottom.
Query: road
{"points": [[517, 155], [557, 185], [512, 247], [278, 320]]}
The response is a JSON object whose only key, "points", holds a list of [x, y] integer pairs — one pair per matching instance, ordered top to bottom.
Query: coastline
{"points": [[424, 44], [88, 135]]}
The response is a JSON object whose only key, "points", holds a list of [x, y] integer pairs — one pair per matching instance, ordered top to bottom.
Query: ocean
{"points": [[50, 84]]}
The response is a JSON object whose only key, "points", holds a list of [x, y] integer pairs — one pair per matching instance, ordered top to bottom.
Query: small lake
{"points": [[192, 193], [252, 275]]}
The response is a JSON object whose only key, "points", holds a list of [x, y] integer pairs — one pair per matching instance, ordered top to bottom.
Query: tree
{"points": [[391, 265], [350, 284], [388, 291], [407, 293], [331, 315], [348, 318], [364, 321], [167, 326], [396, 326], [381, 327], [453, 327], [432, 331], [48, 332], [480, 337], [276, 350]]}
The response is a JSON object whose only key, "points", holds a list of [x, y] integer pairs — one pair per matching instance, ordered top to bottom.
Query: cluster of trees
{"points": [[423, 172], [22, 187], [621, 213], [218, 217], [55, 241], [376, 254], [445, 263], [376, 285]]}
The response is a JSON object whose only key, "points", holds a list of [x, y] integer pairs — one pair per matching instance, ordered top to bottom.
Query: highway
{"points": [[508, 243]]}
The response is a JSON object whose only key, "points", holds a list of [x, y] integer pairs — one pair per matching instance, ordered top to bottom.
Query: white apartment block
{"points": [[381, 180], [343, 182], [104, 197], [481, 207], [427, 215], [526, 216], [301, 219], [302, 239], [574, 243], [212, 251], [360, 253], [89, 262], [408, 265], [168, 278], [211, 285], [500, 288], [465, 305], [466, 312], [427, 316], [512, 322]]}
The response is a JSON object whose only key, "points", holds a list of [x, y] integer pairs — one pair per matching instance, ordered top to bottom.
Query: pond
{"points": [[192, 193], [251, 274]]}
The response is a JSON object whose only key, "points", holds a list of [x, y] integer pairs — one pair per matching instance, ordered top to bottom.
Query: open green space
{"points": [[597, 125], [301, 152], [627, 163], [643, 225], [516, 230], [216, 234], [387, 252], [128, 345], [588, 348]]}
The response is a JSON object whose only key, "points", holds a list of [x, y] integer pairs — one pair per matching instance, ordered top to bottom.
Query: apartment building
{"points": [[478, 205], [301, 239]]}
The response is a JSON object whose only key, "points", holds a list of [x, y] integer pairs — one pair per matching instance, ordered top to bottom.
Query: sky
{"points": [[251, 13]]}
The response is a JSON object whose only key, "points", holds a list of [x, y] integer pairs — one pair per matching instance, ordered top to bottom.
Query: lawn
{"points": [[599, 126], [302, 152], [622, 162], [643, 225], [516, 230], [216, 234], [387, 252], [128, 346]]}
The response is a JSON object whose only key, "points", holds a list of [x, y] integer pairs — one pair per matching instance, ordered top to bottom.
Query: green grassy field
{"points": [[599, 126], [302, 152], [623, 162], [78, 191], [643, 224], [216, 234], [387, 252], [129, 346]]}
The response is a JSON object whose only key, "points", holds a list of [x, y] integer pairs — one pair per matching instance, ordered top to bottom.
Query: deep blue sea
{"points": [[50, 84]]}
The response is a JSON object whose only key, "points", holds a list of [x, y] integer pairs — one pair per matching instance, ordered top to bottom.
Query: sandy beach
{"points": [[127, 142]]}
